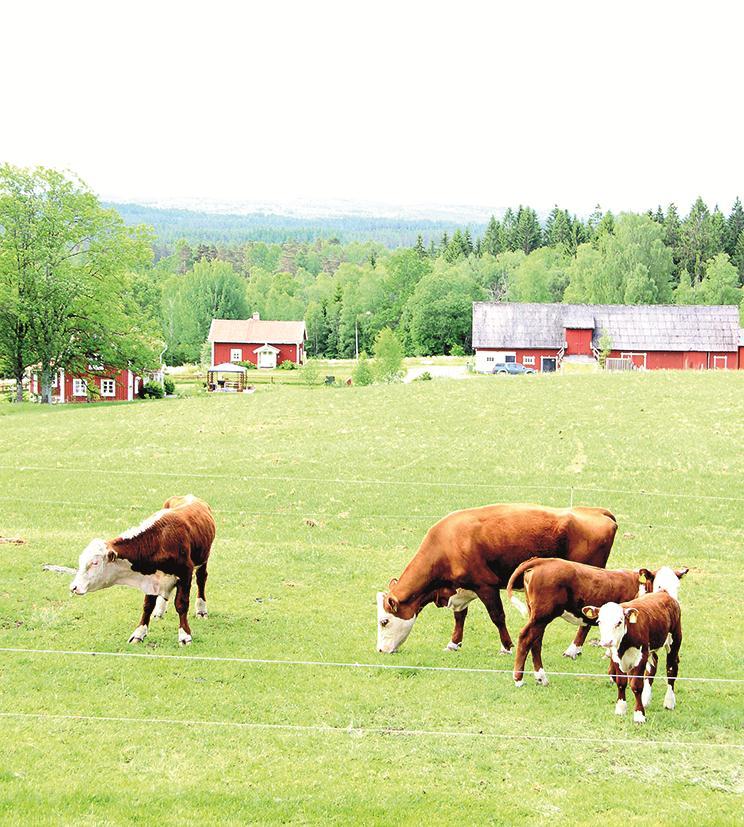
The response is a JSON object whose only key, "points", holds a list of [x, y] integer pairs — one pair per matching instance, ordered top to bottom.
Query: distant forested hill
{"points": [[216, 228]]}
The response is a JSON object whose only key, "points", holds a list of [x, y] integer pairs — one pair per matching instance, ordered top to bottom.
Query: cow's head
{"points": [[96, 569], [667, 580], [612, 620], [392, 628]]}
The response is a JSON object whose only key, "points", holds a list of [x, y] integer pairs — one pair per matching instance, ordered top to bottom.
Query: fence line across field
{"points": [[568, 489], [329, 515], [332, 664], [325, 729]]}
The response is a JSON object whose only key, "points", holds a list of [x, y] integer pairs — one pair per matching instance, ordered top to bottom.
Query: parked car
{"points": [[513, 368]]}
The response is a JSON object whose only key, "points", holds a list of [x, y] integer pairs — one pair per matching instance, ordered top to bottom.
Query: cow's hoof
{"points": [[160, 606], [201, 608], [138, 635], [183, 638], [452, 647], [505, 651], [572, 652], [541, 677], [519, 683], [646, 694], [670, 700], [621, 707], [639, 717]]}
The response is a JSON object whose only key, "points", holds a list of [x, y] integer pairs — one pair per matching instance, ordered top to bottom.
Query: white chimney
{"points": [[256, 316]]}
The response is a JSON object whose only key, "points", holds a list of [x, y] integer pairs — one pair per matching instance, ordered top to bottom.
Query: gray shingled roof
{"points": [[630, 327]]}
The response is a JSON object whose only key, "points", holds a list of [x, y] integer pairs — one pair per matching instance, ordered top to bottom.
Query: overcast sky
{"points": [[623, 104]]}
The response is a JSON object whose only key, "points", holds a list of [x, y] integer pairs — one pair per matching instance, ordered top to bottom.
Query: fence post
{"points": [[571, 489]]}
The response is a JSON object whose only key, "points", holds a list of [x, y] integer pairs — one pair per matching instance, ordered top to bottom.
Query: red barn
{"points": [[646, 337], [265, 343], [110, 384]]}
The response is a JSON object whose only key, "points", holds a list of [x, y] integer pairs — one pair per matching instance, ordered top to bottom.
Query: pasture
{"points": [[321, 495]]}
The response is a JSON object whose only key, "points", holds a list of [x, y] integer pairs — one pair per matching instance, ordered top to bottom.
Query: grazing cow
{"points": [[472, 553], [159, 555], [561, 588], [634, 631]]}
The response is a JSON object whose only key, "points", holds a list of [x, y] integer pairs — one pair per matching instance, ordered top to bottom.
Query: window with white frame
{"points": [[236, 354], [489, 358], [528, 360], [720, 362], [55, 381], [79, 387], [108, 387]]}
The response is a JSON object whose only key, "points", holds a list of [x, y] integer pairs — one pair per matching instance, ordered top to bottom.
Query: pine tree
{"points": [[658, 216], [508, 224], [734, 227], [527, 230], [467, 242], [493, 243], [419, 246], [432, 249], [738, 257]]}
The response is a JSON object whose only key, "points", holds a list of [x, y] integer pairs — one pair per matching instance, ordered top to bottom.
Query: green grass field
{"points": [[321, 495]]}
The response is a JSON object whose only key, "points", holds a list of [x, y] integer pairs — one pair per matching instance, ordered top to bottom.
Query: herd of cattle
{"points": [[557, 557]]}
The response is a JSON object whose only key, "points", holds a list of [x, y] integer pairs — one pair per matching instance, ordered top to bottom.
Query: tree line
{"points": [[76, 281]]}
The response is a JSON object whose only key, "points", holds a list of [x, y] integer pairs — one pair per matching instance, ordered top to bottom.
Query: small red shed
{"points": [[265, 343]]}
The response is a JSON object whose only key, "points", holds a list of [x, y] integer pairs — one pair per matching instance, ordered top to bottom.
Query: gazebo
{"points": [[227, 377]]}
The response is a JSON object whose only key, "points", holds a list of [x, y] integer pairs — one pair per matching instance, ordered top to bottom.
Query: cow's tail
{"points": [[516, 581]]}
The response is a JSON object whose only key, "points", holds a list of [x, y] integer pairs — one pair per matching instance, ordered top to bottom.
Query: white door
{"points": [[267, 359]]}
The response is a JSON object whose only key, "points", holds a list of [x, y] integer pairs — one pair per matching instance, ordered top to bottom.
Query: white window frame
{"points": [[629, 354], [234, 357], [490, 358], [528, 360], [542, 364], [716, 366], [55, 381], [111, 383], [79, 387]]}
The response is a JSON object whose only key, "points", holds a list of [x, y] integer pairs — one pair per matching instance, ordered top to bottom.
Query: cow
{"points": [[473, 552], [161, 554], [561, 588], [634, 631]]}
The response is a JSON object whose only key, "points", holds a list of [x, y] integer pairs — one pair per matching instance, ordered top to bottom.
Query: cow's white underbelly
{"points": [[461, 599]]}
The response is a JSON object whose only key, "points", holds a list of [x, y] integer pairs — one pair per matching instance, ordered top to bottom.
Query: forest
{"points": [[77, 278], [424, 292]]}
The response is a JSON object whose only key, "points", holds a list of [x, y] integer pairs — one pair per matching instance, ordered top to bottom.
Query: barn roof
{"points": [[630, 327], [256, 331]]}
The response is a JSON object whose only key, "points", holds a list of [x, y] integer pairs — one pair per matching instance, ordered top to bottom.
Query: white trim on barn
{"points": [[236, 354], [629, 354], [716, 366], [62, 386], [130, 386], [79, 387], [108, 387]]}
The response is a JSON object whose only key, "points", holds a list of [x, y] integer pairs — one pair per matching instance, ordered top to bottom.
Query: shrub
{"points": [[605, 348], [457, 350], [388, 356], [248, 365], [287, 365], [310, 372], [362, 373], [424, 377], [169, 386], [152, 390]]}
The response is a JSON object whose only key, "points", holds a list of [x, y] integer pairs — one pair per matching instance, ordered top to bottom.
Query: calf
{"points": [[473, 552], [160, 555], [560, 588], [634, 631]]}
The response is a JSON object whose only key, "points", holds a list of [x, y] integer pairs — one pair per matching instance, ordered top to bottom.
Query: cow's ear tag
{"points": [[632, 617]]}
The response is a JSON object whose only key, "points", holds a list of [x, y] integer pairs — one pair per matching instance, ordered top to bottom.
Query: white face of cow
{"points": [[96, 569], [667, 580], [611, 622], [392, 631]]}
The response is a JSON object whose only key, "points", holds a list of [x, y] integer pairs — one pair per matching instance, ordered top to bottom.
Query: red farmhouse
{"points": [[647, 337], [266, 344], [110, 384]]}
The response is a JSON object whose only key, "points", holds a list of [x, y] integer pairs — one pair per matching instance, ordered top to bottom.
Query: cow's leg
{"points": [[201, 599], [492, 601], [161, 605], [182, 607], [458, 631], [140, 633], [527, 637], [574, 650], [537, 663], [672, 668], [648, 678], [636, 685], [621, 706]]}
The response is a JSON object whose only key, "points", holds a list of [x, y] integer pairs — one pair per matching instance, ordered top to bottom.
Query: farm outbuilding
{"points": [[547, 337], [265, 343]]}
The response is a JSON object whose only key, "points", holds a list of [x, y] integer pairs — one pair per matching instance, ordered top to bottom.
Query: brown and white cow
{"points": [[473, 552], [159, 555], [561, 588], [634, 631]]}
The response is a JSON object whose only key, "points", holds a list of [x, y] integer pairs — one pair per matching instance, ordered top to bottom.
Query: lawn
{"points": [[321, 495]]}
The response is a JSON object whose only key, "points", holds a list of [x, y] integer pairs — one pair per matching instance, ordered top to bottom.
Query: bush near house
{"points": [[287, 365], [152, 390]]}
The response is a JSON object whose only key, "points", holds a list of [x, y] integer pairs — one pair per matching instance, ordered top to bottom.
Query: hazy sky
{"points": [[622, 103]]}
